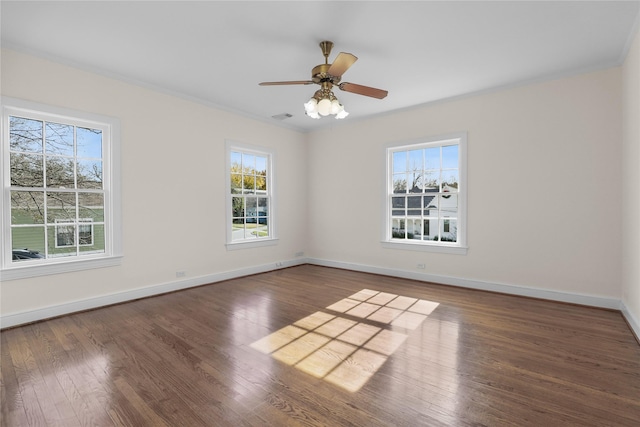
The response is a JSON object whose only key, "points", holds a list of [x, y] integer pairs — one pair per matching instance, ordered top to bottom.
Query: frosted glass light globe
{"points": [[311, 106], [335, 106], [324, 107], [341, 113]]}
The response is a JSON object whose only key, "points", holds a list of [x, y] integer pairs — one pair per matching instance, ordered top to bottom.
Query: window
{"points": [[60, 194], [250, 195], [426, 195]]}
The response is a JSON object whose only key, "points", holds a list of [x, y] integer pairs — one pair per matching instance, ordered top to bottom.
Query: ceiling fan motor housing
{"points": [[319, 74]]}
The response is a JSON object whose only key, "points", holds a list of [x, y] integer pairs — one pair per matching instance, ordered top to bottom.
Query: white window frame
{"points": [[110, 127], [272, 239], [459, 247]]}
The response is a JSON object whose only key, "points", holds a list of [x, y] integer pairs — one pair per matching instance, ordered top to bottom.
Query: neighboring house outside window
{"points": [[60, 190], [426, 195], [250, 202], [66, 236]]}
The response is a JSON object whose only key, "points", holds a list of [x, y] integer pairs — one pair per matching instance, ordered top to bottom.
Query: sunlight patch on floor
{"points": [[344, 351]]}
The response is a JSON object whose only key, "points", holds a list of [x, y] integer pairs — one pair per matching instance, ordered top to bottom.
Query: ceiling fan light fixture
{"points": [[328, 76], [324, 103]]}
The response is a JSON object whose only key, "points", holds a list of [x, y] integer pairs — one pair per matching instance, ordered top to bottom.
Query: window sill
{"points": [[251, 244], [422, 247], [23, 271]]}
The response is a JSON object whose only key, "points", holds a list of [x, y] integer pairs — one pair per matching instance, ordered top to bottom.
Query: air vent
{"points": [[282, 116]]}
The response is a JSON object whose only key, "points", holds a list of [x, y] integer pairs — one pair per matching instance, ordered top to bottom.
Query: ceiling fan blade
{"points": [[341, 64], [292, 82], [363, 90]]}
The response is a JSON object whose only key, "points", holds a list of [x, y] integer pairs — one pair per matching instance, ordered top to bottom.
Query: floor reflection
{"points": [[343, 351]]}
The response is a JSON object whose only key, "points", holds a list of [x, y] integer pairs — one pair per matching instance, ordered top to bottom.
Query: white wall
{"points": [[173, 163], [544, 186], [631, 186], [545, 192]]}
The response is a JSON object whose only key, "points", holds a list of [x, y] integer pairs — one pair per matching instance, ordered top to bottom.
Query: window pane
{"points": [[25, 135], [59, 139], [89, 143], [450, 156], [432, 158], [236, 161], [415, 161], [399, 162], [248, 163], [261, 166], [26, 170], [60, 172], [90, 174], [450, 179], [417, 181], [431, 181], [236, 183], [400, 183], [249, 184], [261, 184], [414, 204], [449, 205], [61, 206], [91, 206], [397, 206], [430, 206], [27, 207], [237, 207], [251, 208], [263, 210], [426, 228], [237, 229], [397, 229], [414, 229], [430, 229], [449, 229], [261, 230], [250, 231], [85, 234], [26, 240], [61, 240], [98, 240]]}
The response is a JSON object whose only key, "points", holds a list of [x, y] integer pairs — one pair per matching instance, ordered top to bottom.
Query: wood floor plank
{"points": [[359, 357], [13, 411]]}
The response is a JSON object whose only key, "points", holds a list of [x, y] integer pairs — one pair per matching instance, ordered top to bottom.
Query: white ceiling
{"points": [[420, 51]]}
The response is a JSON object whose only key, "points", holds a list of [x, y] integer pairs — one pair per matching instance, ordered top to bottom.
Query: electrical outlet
{"points": [[420, 266], [181, 273]]}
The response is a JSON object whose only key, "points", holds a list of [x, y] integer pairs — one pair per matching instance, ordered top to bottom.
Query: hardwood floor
{"points": [[266, 351]]}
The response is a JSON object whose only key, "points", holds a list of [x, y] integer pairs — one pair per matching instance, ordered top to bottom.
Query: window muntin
{"points": [[426, 193], [250, 195], [59, 202]]}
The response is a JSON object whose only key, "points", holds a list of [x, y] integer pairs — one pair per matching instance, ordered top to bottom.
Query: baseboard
{"points": [[589, 300], [15, 319], [631, 320]]}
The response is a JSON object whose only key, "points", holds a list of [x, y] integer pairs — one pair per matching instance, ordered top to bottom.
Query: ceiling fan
{"points": [[324, 102]]}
